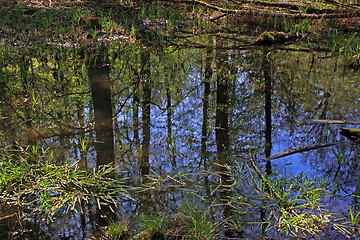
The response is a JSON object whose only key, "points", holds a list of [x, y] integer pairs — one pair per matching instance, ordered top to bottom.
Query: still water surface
{"points": [[171, 110]]}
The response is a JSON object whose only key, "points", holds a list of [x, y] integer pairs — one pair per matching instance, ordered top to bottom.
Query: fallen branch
{"points": [[287, 5], [343, 5], [253, 11], [334, 121], [300, 150]]}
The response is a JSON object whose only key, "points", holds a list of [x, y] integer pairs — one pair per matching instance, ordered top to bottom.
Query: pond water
{"points": [[168, 111]]}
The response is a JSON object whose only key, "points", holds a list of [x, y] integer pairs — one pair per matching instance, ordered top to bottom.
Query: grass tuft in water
{"points": [[43, 186], [290, 206], [190, 222], [195, 223], [155, 227], [117, 231]]}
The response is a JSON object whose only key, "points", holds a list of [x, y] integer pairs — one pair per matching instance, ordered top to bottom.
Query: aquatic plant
{"points": [[31, 180], [41, 185], [291, 205], [353, 216], [191, 221], [194, 222], [154, 226], [117, 231]]}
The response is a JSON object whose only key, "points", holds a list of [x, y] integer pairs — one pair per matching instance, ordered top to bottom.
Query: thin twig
{"points": [[8, 216]]}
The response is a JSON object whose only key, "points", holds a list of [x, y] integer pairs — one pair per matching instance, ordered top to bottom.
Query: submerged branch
{"points": [[300, 150]]}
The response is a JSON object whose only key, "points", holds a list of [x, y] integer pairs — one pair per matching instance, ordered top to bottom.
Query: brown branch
{"points": [[286, 5], [343, 5], [213, 7], [254, 11], [299, 15], [218, 17], [334, 121], [300, 150], [8, 216]]}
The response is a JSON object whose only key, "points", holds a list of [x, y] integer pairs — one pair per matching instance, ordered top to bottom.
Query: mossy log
{"points": [[271, 37], [351, 133]]}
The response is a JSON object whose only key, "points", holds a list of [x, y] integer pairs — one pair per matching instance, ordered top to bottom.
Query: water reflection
{"points": [[100, 82], [187, 110], [146, 112], [205, 117], [222, 126]]}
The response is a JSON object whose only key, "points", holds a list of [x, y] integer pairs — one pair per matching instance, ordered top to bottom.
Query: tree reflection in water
{"points": [[100, 82], [182, 95]]}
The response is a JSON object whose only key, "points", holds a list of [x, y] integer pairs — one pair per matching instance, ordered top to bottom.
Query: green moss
{"points": [[268, 37], [351, 133]]}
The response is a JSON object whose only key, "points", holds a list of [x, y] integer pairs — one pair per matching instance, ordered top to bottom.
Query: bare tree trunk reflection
{"points": [[98, 73], [101, 97], [205, 100], [136, 104], [145, 105], [268, 122], [205, 123], [268, 125], [222, 128], [222, 132], [170, 139]]}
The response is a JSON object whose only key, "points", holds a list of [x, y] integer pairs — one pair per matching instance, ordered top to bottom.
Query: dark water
{"points": [[170, 110]]}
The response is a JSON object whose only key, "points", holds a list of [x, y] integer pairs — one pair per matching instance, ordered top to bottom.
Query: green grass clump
{"points": [[38, 184], [291, 206], [190, 222], [195, 223], [155, 227], [118, 231]]}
